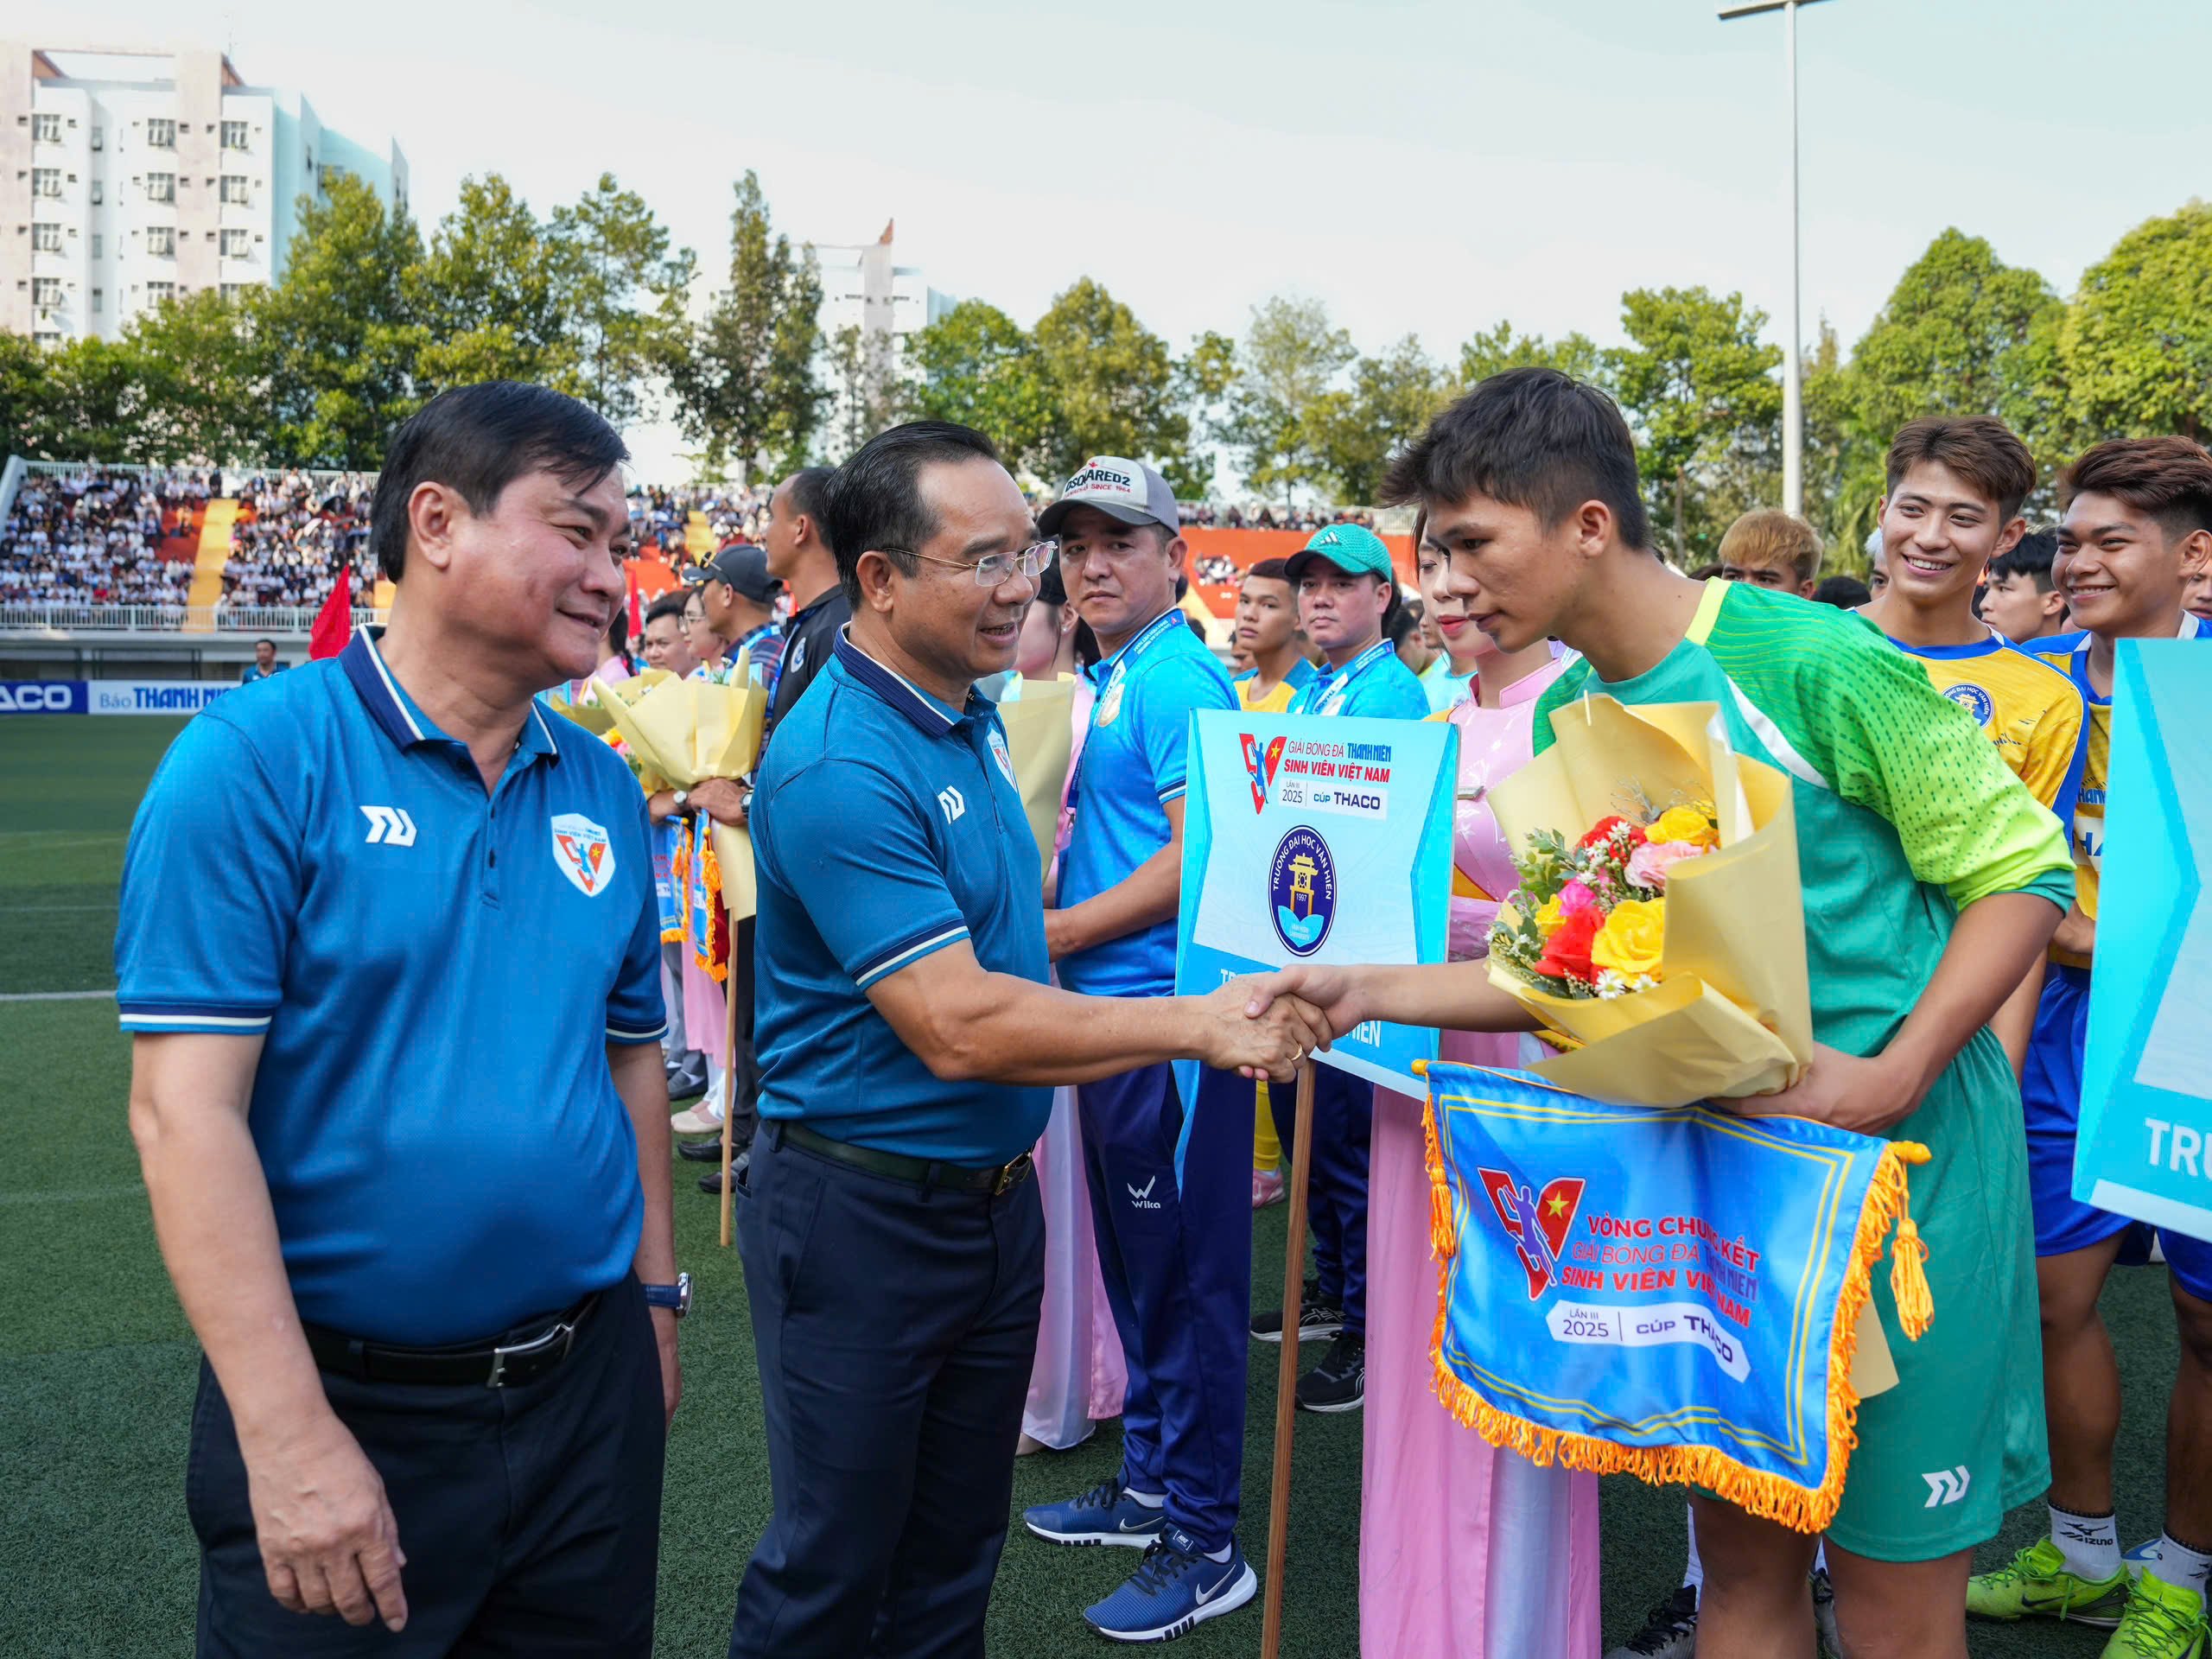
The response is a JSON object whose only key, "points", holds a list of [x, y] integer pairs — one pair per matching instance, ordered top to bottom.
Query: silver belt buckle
{"points": [[563, 1334]]}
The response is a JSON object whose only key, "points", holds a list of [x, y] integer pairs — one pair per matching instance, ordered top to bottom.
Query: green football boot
{"points": [[2035, 1584], [2160, 1622]]}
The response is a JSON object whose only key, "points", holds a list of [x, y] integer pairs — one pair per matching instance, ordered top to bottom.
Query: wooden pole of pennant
{"points": [[729, 1087], [1294, 1296]]}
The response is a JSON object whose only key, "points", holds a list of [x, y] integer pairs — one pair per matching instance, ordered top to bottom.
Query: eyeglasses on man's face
{"points": [[993, 567]]}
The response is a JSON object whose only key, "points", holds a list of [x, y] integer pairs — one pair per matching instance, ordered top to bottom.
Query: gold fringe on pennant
{"points": [[710, 872], [1802, 1508]]}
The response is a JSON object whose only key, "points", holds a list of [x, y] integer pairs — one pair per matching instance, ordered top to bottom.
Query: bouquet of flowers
{"points": [[1658, 929]]}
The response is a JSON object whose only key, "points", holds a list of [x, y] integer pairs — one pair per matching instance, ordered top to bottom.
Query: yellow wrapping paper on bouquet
{"points": [[591, 713], [687, 731], [1040, 733], [1732, 1013]]}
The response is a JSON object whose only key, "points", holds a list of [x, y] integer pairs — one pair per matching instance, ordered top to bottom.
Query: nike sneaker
{"points": [[1104, 1514], [2035, 1584]]}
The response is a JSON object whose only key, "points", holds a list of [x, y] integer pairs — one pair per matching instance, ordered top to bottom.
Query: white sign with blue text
{"points": [[1309, 838]]}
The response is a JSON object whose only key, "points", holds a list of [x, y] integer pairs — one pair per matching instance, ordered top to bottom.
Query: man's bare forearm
{"points": [[1446, 996], [1021, 1032], [643, 1085], [218, 1235]]}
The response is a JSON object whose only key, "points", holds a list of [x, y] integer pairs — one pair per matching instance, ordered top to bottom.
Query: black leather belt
{"points": [[915, 1171], [522, 1354]]}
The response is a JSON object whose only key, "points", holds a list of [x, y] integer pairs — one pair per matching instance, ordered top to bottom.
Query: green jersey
{"points": [[1905, 816]]}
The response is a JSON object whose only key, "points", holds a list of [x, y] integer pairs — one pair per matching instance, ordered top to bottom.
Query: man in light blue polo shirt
{"points": [[1347, 593], [892, 1239], [1176, 1257], [431, 1399]]}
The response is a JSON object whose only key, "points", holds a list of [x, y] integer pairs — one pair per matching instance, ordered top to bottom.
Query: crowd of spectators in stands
{"points": [[294, 534], [94, 539]]}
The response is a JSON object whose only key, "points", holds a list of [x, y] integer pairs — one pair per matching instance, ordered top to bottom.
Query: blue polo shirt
{"points": [[1375, 684], [1134, 762], [900, 836], [435, 975]]}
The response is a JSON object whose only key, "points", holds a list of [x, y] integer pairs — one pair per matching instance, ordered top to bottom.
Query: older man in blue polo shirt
{"points": [[1347, 593], [893, 1242], [1174, 1245], [431, 1401]]}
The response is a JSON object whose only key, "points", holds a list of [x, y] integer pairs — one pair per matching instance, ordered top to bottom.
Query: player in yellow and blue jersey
{"points": [[1953, 506], [2138, 526]]}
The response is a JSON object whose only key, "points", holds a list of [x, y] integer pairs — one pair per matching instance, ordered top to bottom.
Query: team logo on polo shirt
{"points": [[1971, 698], [1111, 709], [999, 754], [581, 849], [1302, 891]]}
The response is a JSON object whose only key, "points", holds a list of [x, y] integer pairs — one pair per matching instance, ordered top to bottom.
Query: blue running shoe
{"points": [[1104, 1514], [1175, 1589]]}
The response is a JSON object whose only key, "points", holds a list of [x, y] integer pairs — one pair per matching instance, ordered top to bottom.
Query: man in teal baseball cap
{"points": [[1347, 591]]}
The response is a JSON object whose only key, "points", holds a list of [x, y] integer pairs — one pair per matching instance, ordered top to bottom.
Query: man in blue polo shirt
{"points": [[1347, 593], [893, 1242], [1176, 1257], [431, 1401]]}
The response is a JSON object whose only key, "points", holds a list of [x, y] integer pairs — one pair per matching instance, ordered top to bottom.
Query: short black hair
{"points": [[1531, 438], [479, 440], [810, 488], [875, 499], [2032, 558], [1269, 570], [1847, 592], [669, 604], [1406, 620], [258, 644]]}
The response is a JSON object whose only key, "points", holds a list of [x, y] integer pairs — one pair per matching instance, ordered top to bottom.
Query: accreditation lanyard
{"points": [[1332, 691], [1108, 702]]}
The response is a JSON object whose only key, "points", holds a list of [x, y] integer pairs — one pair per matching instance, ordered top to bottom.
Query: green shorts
{"points": [[1959, 1440]]}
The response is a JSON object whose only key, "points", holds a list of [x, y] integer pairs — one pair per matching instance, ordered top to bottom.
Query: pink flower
{"points": [[1647, 865], [1576, 898]]}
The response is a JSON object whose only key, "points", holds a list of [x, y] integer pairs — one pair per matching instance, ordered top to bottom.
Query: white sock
{"points": [[1150, 1500], [2089, 1542], [1221, 1554], [1821, 1557], [2181, 1567], [1693, 1573]]}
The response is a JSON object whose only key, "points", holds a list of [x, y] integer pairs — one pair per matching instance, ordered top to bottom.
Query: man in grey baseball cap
{"points": [[1127, 491]]}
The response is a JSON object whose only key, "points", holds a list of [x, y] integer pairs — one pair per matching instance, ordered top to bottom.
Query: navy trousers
{"points": [[1336, 1188], [1178, 1268], [895, 1327], [531, 1514]]}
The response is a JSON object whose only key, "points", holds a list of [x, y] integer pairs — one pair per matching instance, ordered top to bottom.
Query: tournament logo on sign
{"points": [[1971, 698], [999, 754], [1260, 765], [581, 849], [1302, 891], [1537, 1225]]}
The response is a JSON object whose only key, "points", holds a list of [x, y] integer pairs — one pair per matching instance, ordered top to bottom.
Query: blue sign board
{"points": [[1309, 838], [2145, 1142]]}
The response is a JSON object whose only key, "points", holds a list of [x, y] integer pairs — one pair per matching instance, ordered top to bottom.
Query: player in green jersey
{"points": [[1932, 881]]}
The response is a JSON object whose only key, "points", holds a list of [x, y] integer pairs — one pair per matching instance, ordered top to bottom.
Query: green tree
{"points": [[620, 286], [485, 295], [339, 336], [1951, 339], [1502, 348], [2135, 349], [974, 365], [203, 378], [1110, 381], [1199, 388], [747, 390], [1699, 391], [22, 392], [1391, 399], [89, 404], [1280, 413], [1843, 465]]}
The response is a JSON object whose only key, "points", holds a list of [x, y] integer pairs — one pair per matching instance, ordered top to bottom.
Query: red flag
{"points": [[637, 604], [333, 623]]}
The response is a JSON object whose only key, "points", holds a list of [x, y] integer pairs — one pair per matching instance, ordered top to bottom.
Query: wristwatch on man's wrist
{"points": [[683, 800], [676, 1298]]}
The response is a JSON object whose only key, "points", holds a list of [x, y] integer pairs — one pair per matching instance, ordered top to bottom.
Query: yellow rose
{"points": [[1683, 823], [1549, 917], [1630, 941]]}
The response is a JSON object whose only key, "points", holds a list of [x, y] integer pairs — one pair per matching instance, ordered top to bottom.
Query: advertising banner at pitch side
{"points": [[1310, 838], [2145, 1147]]}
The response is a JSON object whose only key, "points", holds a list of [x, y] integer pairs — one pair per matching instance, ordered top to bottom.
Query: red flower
{"points": [[1603, 829], [1567, 953]]}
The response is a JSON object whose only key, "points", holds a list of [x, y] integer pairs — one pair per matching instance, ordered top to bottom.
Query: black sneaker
{"points": [[700, 1151], [711, 1182], [1316, 1319], [1339, 1381], [1669, 1633]]}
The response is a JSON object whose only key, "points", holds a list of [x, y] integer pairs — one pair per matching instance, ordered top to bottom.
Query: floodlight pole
{"points": [[1793, 367]]}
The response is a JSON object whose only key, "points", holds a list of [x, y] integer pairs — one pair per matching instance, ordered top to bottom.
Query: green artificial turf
{"points": [[97, 1367]]}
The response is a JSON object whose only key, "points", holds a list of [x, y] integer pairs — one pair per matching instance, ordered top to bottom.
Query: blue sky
{"points": [[1422, 165]]}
